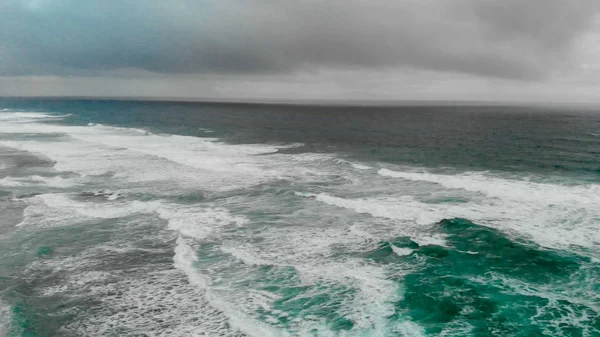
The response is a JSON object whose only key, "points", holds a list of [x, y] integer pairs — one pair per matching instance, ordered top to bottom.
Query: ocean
{"points": [[131, 218]]}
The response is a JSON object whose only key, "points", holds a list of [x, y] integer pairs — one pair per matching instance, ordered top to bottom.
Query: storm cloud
{"points": [[514, 39]]}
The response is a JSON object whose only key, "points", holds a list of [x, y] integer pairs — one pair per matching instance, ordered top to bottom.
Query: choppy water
{"points": [[172, 219]]}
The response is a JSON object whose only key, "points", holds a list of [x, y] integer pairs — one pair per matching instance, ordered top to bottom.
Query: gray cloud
{"points": [[517, 39]]}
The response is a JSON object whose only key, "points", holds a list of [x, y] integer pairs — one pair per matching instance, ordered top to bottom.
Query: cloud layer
{"points": [[514, 39]]}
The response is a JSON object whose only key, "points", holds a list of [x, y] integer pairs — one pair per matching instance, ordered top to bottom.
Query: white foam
{"points": [[26, 117], [120, 130], [289, 146], [190, 151], [139, 156], [165, 162], [354, 165], [361, 167], [57, 182], [499, 187], [114, 196], [56, 209], [61, 209], [403, 209], [99, 210], [39, 214], [553, 215], [198, 223], [548, 225], [361, 232], [436, 239], [309, 250], [401, 251], [247, 256], [184, 260], [78, 280], [134, 298], [573, 303], [372, 304], [136, 306], [368, 308], [4, 319], [409, 329]]}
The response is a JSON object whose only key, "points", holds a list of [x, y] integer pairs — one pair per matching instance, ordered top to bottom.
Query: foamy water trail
{"points": [[26, 117], [134, 155], [57, 182], [505, 188], [546, 213], [549, 225], [4, 319]]}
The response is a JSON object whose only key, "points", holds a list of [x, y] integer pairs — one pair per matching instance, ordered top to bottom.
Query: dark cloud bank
{"points": [[516, 39]]}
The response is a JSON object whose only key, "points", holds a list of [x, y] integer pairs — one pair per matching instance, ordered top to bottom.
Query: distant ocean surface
{"points": [[193, 219]]}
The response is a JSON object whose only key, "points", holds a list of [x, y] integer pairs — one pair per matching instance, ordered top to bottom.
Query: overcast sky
{"points": [[524, 50]]}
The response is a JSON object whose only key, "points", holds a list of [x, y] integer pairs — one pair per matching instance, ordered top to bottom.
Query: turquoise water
{"points": [[173, 219]]}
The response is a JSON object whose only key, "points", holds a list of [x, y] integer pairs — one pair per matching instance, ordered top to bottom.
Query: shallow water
{"points": [[172, 219]]}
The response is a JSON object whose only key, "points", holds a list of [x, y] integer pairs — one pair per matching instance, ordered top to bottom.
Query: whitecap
{"points": [[361, 167], [57, 181], [499, 187], [198, 223], [401, 251]]}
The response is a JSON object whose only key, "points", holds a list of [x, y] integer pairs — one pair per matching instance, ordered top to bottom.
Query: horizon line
{"points": [[314, 102]]}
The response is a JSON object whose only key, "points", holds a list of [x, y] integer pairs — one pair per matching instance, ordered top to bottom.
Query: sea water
{"points": [[197, 219]]}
